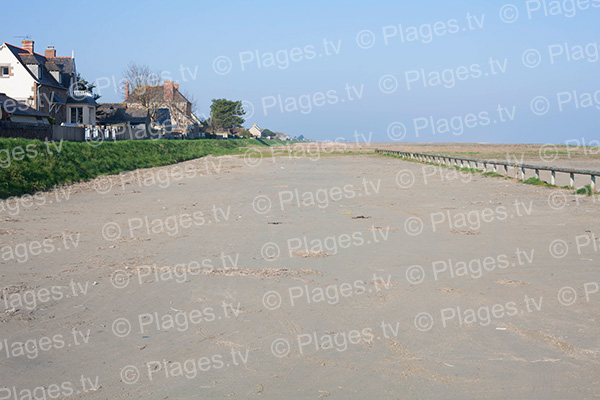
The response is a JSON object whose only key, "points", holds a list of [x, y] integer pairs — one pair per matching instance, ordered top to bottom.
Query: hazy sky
{"points": [[430, 71]]}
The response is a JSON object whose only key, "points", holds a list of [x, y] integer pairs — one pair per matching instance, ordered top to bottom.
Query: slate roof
{"points": [[66, 65], [153, 92], [81, 100], [15, 108], [118, 113], [162, 115]]}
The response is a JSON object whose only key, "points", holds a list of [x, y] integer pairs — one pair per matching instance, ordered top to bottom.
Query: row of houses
{"points": [[38, 90]]}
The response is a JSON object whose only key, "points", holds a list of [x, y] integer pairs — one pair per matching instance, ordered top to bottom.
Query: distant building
{"points": [[45, 83], [158, 98], [122, 121], [256, 131]]}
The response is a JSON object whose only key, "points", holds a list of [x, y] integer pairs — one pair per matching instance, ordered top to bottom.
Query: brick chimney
{"points": [[27, 45], [50, 52], [176, 86], [126, 90], [168, 90]]}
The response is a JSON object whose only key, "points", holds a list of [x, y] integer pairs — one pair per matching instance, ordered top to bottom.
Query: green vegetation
{"points": [[226, 114], [29, 166], [493, 174], [536, 181], [586, 190]]}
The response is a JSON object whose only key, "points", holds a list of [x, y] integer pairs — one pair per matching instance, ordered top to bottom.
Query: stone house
{"points": [[165, 100]]}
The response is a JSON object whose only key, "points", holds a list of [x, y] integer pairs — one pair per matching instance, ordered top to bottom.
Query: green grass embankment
{"points": [[29, 166]]}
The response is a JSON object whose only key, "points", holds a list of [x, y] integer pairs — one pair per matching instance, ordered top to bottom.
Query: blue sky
{"points": [[469, 71]]}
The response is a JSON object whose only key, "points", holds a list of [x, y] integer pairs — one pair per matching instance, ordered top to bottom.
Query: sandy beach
{"points": [[342, 277]]}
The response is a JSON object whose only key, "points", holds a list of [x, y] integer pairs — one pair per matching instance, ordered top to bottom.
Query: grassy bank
{"points": [[29, 166]]}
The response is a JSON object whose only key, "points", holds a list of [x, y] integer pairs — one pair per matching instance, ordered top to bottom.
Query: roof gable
{"points": [[62, 64], [153, 93]]}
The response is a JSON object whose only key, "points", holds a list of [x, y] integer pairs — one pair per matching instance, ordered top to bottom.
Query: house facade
{"points": [[46, 83], [169, 110], [255, 131]]}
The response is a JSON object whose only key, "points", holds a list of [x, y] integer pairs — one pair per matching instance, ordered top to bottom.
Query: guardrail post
{"points": [[484, 167], [495, 168], [506, 171], [523, 173], [537, 174], [553, 178], [572, 180], [593, 183]]}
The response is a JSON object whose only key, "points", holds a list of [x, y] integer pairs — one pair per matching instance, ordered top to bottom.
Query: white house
{"points": [[46, 83], [255, 131]]}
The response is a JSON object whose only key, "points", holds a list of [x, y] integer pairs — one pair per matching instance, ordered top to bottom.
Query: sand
{"points": [[347, 277]]}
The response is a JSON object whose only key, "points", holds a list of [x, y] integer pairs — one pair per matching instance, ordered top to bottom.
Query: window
{"points": [[4, 71], [77, 115]]}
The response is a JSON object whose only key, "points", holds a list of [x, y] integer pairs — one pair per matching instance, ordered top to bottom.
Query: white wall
{"points": [[19, 86]]}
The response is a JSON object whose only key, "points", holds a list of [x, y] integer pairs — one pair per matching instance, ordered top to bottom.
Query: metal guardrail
{"points": [[448, 160]]}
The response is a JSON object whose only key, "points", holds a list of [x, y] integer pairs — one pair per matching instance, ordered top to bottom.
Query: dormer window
{"points": [[57, 75]]}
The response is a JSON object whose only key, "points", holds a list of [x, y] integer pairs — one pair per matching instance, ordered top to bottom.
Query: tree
{"points": [[140, 79], [83, 84], [226, 114], [268, 132], [246, 133]]}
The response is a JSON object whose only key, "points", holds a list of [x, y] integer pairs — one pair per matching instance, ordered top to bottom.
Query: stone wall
{"points": [[24, 130]]}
